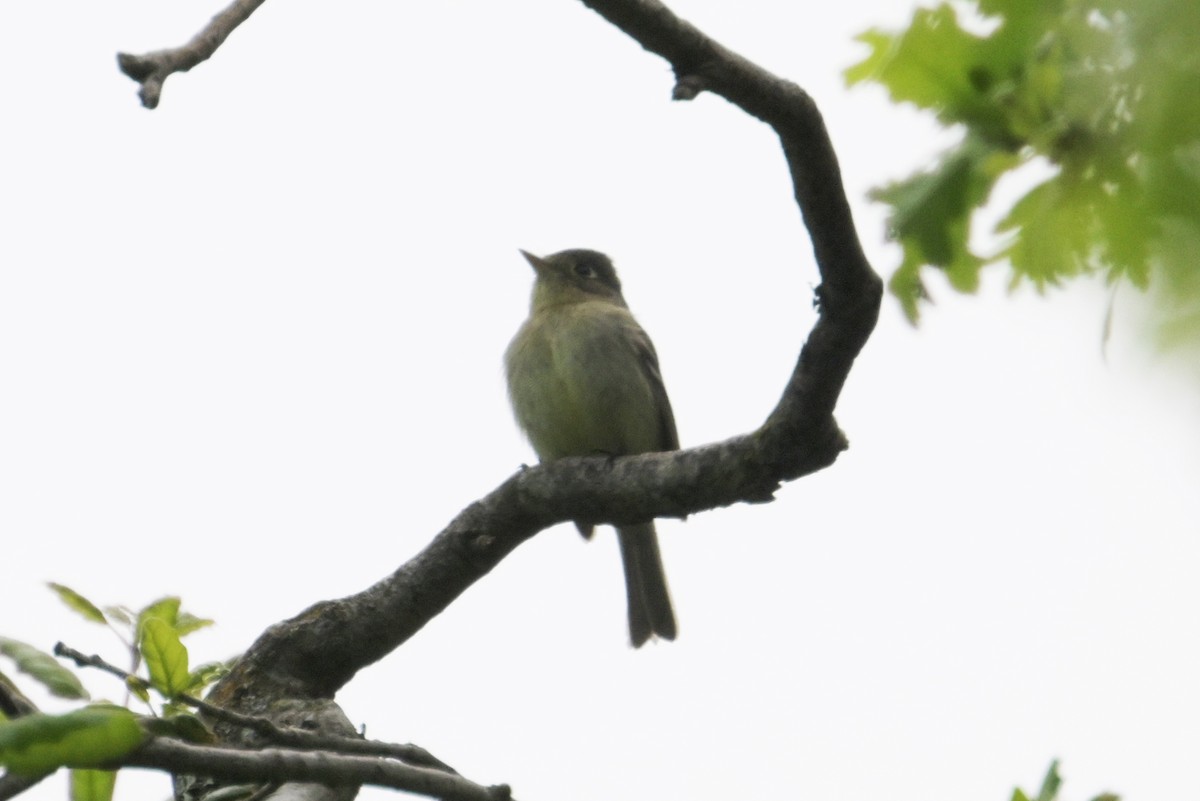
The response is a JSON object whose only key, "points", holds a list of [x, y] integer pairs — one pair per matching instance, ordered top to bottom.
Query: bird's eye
{"points": [[585, 271]]}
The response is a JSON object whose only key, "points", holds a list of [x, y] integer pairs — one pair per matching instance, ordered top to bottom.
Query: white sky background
{"points": [[250, 353]]}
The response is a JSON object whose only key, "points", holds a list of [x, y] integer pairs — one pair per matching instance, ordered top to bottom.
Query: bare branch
{"points": [[152, 69], [850, 292], [314, 654], [83, 660], [287, 766]]}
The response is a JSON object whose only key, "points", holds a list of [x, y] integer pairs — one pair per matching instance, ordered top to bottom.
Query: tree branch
{"points": [[152, 69], [850, 292], [317, 652], [314, 654], [265, 728], [274, 765], [13, 784]]}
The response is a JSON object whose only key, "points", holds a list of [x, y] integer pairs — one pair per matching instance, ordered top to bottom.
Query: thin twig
{"points": [[295, 738], [278, 765]]}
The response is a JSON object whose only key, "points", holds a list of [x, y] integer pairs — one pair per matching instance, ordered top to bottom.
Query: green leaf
{"points": [[1024, 13], [922, 64], [937, 65], [872, 67], [932, 209], [929, 210], [931, 217], [1056, 224], [1126, 231], [1178, 281], [906, 283], [87, 609], [165, 610], [118, 614], [186, 623], [166, 657], [42, 667], [205, 675], [138, 687], [172, 708], [181, 725], [191, 729], [86, 738], [1050, 784], [93, 785]]}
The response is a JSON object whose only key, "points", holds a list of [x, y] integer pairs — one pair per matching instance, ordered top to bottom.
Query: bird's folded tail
{"points": [[650, 612]]}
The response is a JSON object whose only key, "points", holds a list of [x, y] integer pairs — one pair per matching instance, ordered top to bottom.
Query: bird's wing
{"points": [[668, 436]]}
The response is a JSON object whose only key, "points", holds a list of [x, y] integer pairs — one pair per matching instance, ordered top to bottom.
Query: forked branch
{"points": [[152, 69], [318, 651], [314, 654]]}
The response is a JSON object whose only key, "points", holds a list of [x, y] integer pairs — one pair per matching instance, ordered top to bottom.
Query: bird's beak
{"points": [[536, 262]]}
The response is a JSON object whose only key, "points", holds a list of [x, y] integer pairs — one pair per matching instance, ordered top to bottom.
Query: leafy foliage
{"points": [[1104, 91], [153, 634], [91, 738], [1050, 788]]}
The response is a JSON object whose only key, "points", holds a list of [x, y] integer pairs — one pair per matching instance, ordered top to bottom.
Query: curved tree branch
{"points": [[152, 69], [317, 652], [314, 654]]}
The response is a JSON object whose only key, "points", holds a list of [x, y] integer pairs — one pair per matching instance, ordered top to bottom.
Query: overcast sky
{"points": [[250, 351]]}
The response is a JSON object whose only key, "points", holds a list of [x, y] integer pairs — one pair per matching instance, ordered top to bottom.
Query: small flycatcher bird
{"points": [[583, 379]]}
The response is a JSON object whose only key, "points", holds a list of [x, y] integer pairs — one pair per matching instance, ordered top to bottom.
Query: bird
{"points": [[583, 379]]}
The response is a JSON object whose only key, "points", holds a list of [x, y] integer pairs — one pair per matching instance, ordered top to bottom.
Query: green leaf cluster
{"points": [[1104, 91], [154, 637], [91, 738], [1050, 787]]}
